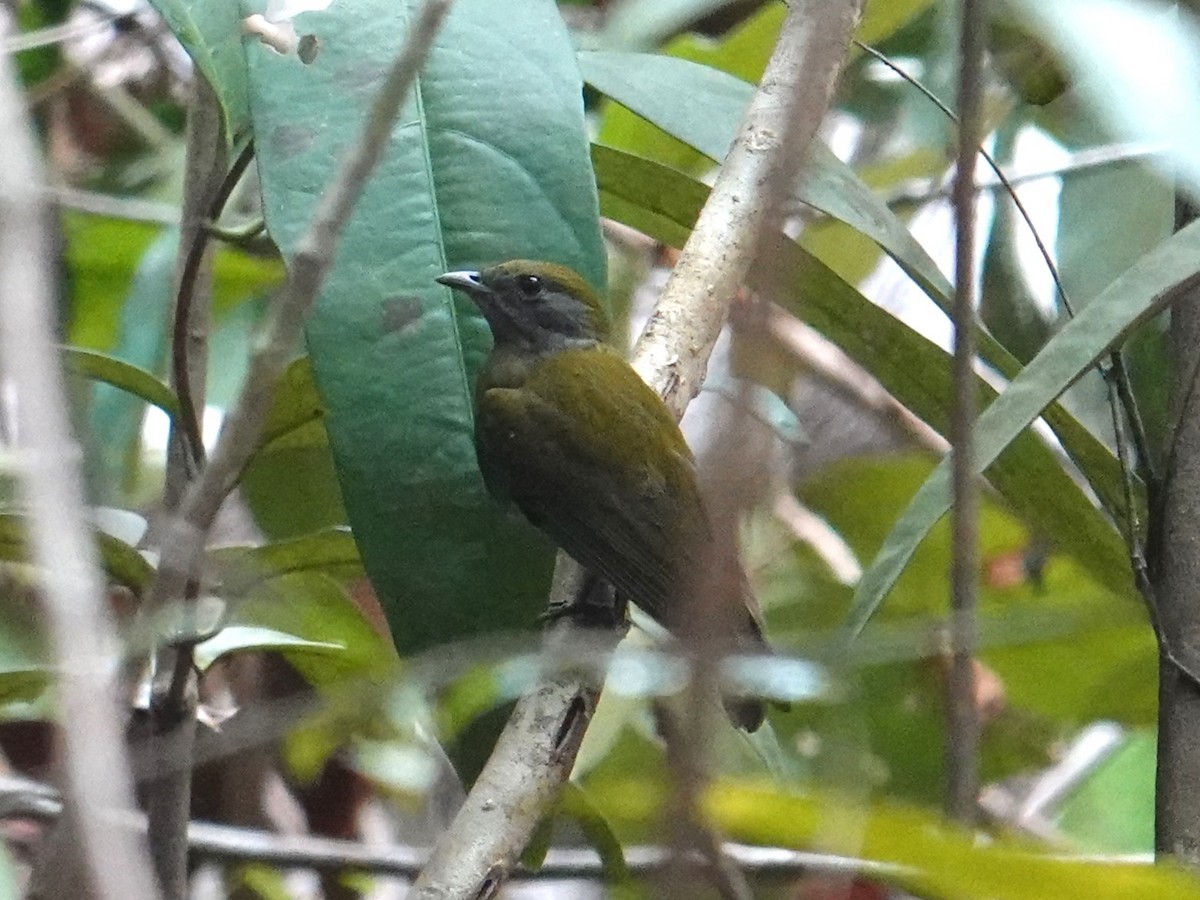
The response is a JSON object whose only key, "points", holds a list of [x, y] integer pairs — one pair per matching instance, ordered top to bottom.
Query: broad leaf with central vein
{"points": [[489, 161]]}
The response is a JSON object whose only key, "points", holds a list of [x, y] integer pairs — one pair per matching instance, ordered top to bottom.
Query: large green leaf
{"points": [[881, 20], [211, 33], [707, 120], [489, 162], [665, 203], [102, 255], [1142, 292], [294, 404], [291, 484]]}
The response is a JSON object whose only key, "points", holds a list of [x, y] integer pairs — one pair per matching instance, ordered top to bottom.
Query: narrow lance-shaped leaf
{"points": [[1142, 292], [129, 378]]}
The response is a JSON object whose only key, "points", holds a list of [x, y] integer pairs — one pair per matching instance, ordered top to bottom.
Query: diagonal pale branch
{"points": [[748, 199], [84, 638], [522, 778]]}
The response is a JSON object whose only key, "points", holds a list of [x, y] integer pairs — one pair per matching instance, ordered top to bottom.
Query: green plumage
{"points": [[570, 433], [591, 455]]}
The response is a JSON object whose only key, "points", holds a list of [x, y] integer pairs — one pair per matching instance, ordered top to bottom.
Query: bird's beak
{"points": [[468, 282]]}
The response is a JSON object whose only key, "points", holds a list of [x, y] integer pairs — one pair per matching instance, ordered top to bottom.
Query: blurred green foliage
{"points": [[495, 162]]}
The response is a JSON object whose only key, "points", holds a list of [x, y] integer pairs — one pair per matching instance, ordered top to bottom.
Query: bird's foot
{"points": [[595, 605]]}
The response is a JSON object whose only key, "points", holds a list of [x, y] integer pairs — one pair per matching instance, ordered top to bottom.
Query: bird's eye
{"points": [[530, 285]]}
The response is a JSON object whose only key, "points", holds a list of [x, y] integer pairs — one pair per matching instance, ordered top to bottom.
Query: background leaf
{"points": [[211, 33], [133, 380]]}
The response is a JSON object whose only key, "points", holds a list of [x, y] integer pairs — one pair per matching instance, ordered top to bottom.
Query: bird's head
{"points": [[534, 306]]}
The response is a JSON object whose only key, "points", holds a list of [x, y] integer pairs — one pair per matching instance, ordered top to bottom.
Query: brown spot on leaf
{"points": [[308, 48], [292, 139], [401, 313]]}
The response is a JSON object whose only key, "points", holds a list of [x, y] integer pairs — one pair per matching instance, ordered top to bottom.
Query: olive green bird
{"points": [[568, 431]]}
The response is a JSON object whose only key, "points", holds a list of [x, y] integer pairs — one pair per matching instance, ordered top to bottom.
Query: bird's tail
{"points": [[749, 713]]}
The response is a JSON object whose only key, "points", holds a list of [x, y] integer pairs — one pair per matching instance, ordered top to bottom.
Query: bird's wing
{"points": [[590, 455]]}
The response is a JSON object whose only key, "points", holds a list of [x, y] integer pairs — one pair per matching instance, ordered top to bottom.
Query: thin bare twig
{"points": [[927, 190], [135, 209], [830, 364], [1124, 394], [189, 411], [84, 639], [962, 725], [168, 726], [524, 774], [21, 797]]}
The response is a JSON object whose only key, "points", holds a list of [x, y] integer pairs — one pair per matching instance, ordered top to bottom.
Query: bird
{"points": [[567, 431]]}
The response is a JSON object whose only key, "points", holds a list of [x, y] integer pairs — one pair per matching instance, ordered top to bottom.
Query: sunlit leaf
{"points": [[881, 20], [294, 404], [331, 552], [313, 607], [241, 638], [1111, 808], [929, 858]]}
